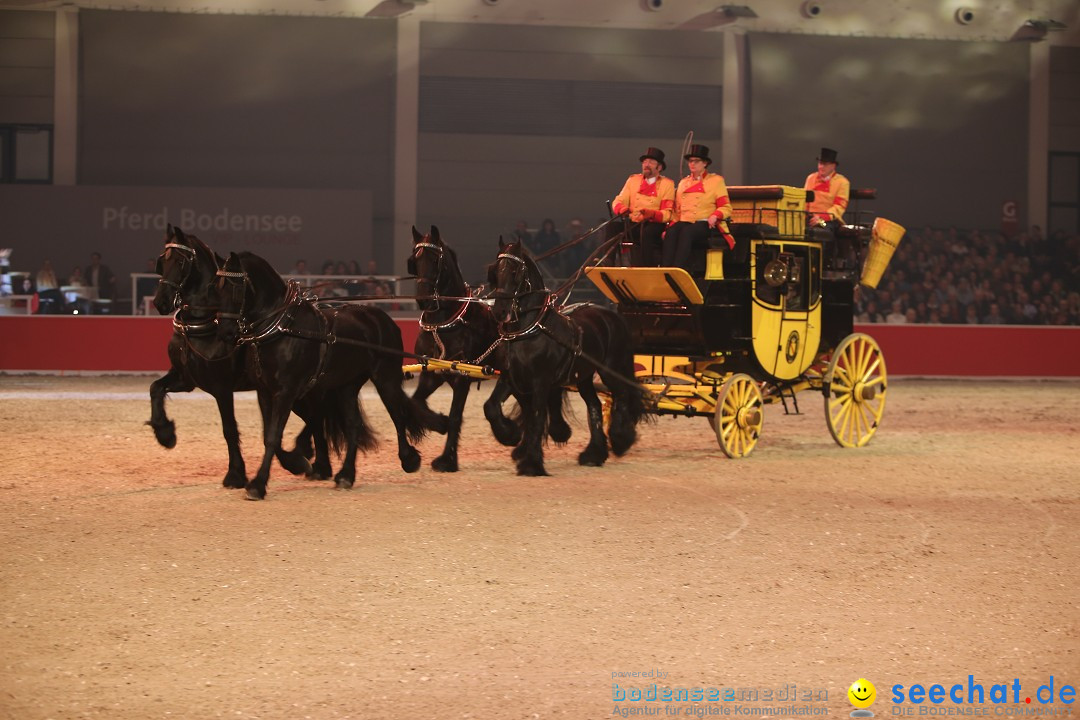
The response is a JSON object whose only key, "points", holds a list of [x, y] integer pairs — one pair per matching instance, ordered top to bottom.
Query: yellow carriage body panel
{"points": [[786, 319]]}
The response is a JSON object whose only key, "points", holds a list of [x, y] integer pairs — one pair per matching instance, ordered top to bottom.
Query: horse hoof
{"points": [[560, 433], [165, 434], [509, 436], [590, 459], [411, 462], [295, 463], [444, 463], [531, 469], [319, 474], [234, 482], [343, 483], [255, 493]]}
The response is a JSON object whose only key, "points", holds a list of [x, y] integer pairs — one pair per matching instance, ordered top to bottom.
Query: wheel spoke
{"points": [[869, 357], [873, 368], [739, 390], [842, 400], [841, 418], [849, 424], [858, 425]]}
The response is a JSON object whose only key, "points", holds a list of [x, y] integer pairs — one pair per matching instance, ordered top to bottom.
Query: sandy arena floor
{"points": [[133, 585]]}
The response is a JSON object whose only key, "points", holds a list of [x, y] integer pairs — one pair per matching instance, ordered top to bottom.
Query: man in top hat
{"points": [[831, 192], [648, 198], [701, 205]]}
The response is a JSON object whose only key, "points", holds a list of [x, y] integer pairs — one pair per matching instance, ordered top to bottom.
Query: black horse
{"points": [[451, 328], [544, 350], [199, 359], [314, 359]]}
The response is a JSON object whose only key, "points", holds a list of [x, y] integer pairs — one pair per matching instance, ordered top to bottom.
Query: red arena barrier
{"points": [[92, 344], [96, 344]]}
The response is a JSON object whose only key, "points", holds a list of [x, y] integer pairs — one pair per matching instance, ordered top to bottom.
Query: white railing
{"points": [[327, 287]]}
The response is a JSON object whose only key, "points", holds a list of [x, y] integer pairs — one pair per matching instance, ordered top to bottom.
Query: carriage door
{"points": [[787, 307]]}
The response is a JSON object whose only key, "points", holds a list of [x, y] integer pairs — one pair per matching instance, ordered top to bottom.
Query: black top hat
{"points": [[699, 151], [656, 154], [828, 155]]}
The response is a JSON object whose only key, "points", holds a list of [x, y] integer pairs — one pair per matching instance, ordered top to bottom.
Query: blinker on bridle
{"points": [[418, 248], [187, 264], [238, 294]]}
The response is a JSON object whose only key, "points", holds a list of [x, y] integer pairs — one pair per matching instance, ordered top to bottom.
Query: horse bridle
{"points": [[440, 251], [187, 264], [523, 289], [239, 291]]}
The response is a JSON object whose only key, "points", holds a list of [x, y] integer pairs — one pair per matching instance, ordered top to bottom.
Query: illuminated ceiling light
{"points": [[393, 8], [737, 11], [723, 15], [1034, 30]]}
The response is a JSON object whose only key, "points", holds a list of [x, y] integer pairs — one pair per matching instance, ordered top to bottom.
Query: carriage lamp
{"points": [[781, 270], [775, 273]]}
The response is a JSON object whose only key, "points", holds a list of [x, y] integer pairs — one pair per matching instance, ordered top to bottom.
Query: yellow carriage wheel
{"points": [[854, 387], [738, 417]]}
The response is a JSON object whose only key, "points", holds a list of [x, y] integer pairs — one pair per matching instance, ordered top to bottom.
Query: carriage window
{"points": [[798, 280], [802, 287], [765, 291]]}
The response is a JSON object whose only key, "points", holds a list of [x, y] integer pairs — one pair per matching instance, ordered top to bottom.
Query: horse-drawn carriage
{"points": [[753, 325], [743, 327]]}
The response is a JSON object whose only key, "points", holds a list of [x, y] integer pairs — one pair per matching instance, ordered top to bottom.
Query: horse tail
{"points": [[336, 428], [366, 439]]}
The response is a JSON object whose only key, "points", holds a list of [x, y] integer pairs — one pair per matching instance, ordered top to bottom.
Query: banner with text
{"points": [[127, 225]]}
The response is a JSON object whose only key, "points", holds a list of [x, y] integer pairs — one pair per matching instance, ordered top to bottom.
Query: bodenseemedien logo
{"points": [[862, 695]]}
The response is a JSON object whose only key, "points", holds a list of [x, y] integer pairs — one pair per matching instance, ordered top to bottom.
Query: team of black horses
{"points": [[238, 325]]}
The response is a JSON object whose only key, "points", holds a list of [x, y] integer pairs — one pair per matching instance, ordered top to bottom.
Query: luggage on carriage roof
{"points": [[780, 206]]}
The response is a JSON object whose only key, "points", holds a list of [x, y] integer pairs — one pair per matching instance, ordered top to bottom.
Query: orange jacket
{"points": [[830, 196], [698, 199], [655, 201]]}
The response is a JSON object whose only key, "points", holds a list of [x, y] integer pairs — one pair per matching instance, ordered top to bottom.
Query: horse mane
{"points": [[266, 284]]}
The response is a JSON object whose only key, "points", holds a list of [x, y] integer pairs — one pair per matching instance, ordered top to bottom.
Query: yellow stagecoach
{"points": [[758, 323]]}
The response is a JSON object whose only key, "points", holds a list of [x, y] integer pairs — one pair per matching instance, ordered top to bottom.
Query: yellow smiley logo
{"points": [[862, 693]]}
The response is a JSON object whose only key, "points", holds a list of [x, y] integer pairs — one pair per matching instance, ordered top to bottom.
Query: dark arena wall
{"points": [[67, 344]]}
